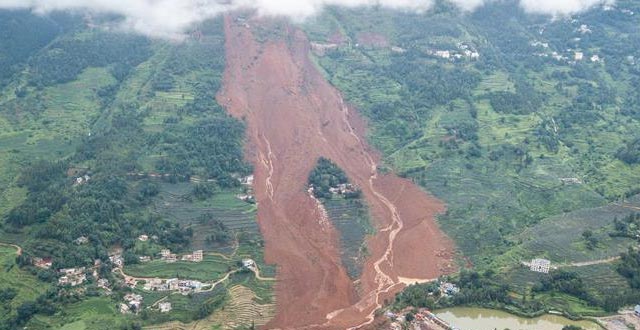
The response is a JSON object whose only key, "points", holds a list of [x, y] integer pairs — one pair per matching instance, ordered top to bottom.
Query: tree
{"points": [[590, 239]]}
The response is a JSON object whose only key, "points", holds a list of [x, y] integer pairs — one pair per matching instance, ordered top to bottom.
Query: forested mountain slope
{"points": [[114, 148]]}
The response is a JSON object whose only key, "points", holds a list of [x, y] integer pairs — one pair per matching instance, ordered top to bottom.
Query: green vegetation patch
{"points": [[346, 209], [211, 268]]}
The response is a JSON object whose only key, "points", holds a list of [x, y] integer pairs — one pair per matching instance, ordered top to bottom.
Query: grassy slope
{"points": [[491, 203], [28, 287]]}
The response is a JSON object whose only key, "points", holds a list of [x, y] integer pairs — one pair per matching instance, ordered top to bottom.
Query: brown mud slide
{"points": [[294, 116]]}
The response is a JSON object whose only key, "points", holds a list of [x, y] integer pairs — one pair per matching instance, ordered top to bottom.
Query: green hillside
{"points": [[525, 126], [105, 137]]}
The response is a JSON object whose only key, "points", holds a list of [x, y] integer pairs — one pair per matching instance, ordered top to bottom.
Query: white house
{"points": [[540, 265], [164, 307]]}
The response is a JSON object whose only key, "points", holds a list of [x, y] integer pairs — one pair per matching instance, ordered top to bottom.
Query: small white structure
{"points": [[584, 28], [443, 53], [578, 56], [82, 180], [247, 180], [571, 180], [143, 238], [82, 240], [197, 256], [117, 260], [44, 263], [248, 263], [540, 265], [72, 276], [103, 283], [449, 289], [134, 301], [165, 307], [124, 308], [636, 310]]}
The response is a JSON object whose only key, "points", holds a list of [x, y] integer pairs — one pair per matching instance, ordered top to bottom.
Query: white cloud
{"points": [[560, 7], [171, 18]]}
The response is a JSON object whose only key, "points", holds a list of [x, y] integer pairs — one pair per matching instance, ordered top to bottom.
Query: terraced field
{"points": [[174, 203], [352, 221], [559, 238], [211, 268], [11, 276], [605, 276], [243, 309], [97, 313]]}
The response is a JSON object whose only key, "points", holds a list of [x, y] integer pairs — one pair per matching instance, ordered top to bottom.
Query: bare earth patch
{"points": [[294, 116]]}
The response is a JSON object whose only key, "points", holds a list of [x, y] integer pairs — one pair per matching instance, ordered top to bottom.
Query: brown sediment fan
{"points": [[293, 116]]}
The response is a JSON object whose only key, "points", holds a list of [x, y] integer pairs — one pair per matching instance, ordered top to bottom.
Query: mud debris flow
{"points": [[293, 116]]}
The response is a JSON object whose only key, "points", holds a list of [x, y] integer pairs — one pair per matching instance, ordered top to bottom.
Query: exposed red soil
{"points": [[293, 116]]}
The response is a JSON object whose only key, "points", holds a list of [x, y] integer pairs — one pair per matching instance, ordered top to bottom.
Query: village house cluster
{"points": [[464, 51], [570, 56], [247, 182], [343, 189], [167, 256], [72, 276], [173, 284], [423, 319]]}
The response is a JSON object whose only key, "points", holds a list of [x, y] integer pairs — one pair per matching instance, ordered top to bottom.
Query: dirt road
{"points": [[294, 116], [18, 248]]}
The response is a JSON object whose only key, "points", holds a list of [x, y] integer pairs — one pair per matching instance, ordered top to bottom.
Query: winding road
{"points": [[17, 247]]}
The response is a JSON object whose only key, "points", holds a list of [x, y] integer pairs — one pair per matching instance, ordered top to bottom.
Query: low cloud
{"points": [[560, 7], [171, 18]]}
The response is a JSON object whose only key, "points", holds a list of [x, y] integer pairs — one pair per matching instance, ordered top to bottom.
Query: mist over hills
{"points": [[172, 18]]}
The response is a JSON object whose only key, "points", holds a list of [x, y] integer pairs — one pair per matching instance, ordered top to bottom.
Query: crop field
{"points": [[496, 82], [174, 204], [352, 221], [559, 238], [211, 268], [520, 277], [602, 279], [27, 286], [263, 290], [569, 304], [184, 308], [245, 308], [242, 310], [94, 313]]}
